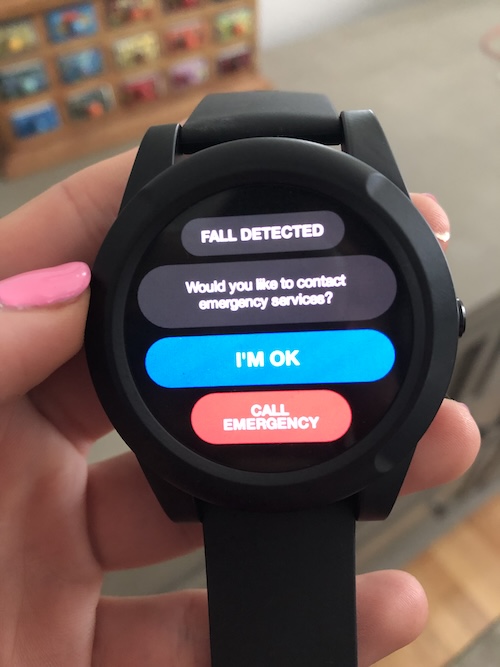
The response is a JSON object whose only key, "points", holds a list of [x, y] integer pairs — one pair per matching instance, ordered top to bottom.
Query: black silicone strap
{"points": [[229, 116], [156, 153], [281, 587]]}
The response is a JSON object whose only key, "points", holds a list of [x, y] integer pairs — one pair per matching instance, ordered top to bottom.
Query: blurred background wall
{"points": [[284, 21]]}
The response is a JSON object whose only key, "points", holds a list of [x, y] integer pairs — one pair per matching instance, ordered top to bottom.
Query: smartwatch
{"points": [[272, 328]]}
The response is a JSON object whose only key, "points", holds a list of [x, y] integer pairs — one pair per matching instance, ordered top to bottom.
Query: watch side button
{"points": [[462, 318]]}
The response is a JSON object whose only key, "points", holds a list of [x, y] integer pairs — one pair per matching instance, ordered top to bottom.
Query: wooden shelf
{"points": [[13, 9], [124, 121], [63, 146]]}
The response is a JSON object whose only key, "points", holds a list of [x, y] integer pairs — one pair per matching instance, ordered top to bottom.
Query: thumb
{"points": [[42, 320]]}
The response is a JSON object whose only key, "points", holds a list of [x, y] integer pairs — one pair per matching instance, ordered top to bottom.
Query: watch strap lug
{"points": [[223, 117], [365, 140], [157, 152], [179, 506]]}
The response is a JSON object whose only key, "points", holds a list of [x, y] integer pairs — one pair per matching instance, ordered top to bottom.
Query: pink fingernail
{"points": [[431, 196], [45, 287]]}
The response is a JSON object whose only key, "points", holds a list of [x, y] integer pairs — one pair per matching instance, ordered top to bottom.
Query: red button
{"points": [[271, 417]]}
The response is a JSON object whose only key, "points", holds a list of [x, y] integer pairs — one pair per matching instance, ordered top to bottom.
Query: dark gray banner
{"points": [[257, 234], [326, 289]]}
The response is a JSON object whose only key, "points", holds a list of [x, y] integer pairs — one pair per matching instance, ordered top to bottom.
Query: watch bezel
{"points": [[344, 179]]}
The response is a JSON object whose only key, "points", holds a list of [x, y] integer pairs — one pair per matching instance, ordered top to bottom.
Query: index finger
{"points": [[67, 222]]}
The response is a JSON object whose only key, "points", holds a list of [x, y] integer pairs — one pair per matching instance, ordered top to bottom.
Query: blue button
{"points": [[238, 360]]}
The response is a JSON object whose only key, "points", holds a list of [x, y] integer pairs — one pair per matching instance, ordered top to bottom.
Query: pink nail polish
{"points": [[45, 287]]}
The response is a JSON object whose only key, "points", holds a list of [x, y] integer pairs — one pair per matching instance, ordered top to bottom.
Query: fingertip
{"points": [[435, 216], [45, 287], [469, 435], [446, 451], [392, 613]]}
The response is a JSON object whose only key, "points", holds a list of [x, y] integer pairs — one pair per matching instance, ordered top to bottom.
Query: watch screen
{"points": [[268, 328]]}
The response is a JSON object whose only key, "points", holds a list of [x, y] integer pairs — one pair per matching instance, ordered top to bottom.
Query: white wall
{"points": [[286, 20]]}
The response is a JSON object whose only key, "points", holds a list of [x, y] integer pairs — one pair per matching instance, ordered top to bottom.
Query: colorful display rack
{"points": [[79, 76]]}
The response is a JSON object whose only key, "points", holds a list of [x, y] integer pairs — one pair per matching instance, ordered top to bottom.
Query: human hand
{"points": [[63, 523]]}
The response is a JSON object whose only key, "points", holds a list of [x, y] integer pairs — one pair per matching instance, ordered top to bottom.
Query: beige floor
{"points": [[461, 575]]}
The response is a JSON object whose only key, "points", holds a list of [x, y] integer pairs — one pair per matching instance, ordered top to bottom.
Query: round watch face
{"points": [[272, 324], [268, 329]]}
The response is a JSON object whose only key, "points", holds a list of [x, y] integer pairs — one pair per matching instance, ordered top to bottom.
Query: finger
{"points": [[435, 216], [66, 223], [42, 318], [68, 400], [446, 451], [129, 528], [392, 612], [173, 629], [157, 631]]}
